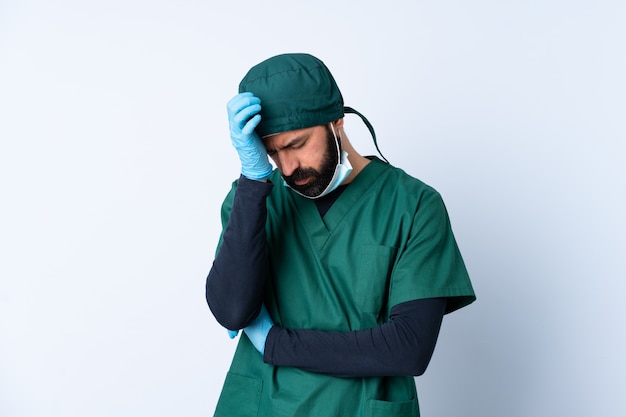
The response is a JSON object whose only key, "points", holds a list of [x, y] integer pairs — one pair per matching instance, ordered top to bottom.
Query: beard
{"points": [[319, 179]]}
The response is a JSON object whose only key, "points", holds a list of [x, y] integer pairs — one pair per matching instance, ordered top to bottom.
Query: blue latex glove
{"points": [[243, 118], [258, 330]]}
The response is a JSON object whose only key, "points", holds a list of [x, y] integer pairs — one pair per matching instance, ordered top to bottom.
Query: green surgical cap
{"points": [[296, 91]]}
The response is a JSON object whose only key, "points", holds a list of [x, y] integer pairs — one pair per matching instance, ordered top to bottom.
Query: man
{"points": [[338, 268]]}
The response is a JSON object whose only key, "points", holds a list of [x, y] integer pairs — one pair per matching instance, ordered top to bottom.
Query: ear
{"points": [[338, 124]]}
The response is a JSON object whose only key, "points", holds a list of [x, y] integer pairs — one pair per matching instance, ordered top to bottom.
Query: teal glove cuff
{"points": [[258, 330]]}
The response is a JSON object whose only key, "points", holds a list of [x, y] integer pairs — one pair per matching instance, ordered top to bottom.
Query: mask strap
{"points": [[347, 109], [337, 142]]}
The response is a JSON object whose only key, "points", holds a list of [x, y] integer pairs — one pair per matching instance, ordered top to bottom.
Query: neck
{"points": [[357, 161]]}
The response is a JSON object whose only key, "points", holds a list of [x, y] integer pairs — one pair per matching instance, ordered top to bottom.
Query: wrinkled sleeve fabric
{"points": [[234, 286], [402, 346]]}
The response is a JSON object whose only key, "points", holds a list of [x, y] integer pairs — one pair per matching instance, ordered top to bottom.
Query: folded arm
{"points": [[234, 286], [401, 346]]}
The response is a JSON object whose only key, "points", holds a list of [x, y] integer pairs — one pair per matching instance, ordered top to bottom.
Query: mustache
{"points": [[300, 174]]}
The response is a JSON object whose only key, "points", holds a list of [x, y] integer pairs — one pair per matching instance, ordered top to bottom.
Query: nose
{"points": [[287, 162]]}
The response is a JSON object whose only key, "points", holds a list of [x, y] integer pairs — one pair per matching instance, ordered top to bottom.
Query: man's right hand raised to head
{"points": [[243, 118]]}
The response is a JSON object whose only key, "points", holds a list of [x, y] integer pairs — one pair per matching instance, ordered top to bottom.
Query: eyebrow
{"points": [[292, 142]]}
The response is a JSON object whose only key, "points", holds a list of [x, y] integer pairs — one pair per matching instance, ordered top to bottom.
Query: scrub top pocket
{"points": [[372, 280], [240, 397], [376, 408]]}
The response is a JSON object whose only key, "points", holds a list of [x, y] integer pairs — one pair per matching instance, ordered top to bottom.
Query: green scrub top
{"points": [[386, 240]]}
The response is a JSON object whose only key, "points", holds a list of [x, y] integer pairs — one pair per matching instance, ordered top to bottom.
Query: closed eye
{"points": [[296, 143]]}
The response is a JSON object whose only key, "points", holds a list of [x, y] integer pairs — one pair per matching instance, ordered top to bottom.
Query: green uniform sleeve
{"points": [[430, 263]]}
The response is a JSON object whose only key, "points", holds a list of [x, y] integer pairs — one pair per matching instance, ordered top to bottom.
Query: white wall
{"points": [[115, 157]]}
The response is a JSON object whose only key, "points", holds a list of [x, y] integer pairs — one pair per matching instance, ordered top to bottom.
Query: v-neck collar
{"points": [[320, 229]]}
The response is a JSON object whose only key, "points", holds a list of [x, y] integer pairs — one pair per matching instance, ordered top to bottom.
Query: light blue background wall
{"points": [[115, 157]]}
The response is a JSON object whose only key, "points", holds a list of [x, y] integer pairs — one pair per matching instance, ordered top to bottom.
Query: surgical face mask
{"points": [[341, 172]]}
